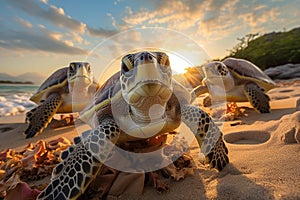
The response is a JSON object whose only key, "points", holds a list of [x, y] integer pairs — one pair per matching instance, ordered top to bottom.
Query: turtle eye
{"points": [[163, 59], [127, 63], [72, 67], [88, 67], [222, 69]]}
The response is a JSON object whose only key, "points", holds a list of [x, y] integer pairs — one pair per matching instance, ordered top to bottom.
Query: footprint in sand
{"points": [[285, 91], [282, 94], [296, 95], [5, 128], [247, 137]]}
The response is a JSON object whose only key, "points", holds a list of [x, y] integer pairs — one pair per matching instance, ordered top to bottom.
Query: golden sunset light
{"points": [[150, 99]]}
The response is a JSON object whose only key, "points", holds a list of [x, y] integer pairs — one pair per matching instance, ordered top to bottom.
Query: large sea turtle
{"points": [[242, 81], [67, 90], [139, 102]]}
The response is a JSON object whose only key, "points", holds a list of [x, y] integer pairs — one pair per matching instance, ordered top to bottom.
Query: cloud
{"points": [[44, 1], [117, 1], [53, 14], [173, 14], [58, 17], [258, 18], [211, 19], [113, 20], [203, 20], [23, 22], [101, 32], [69, 36], [76, 37], [68, 39], [47, 42]]}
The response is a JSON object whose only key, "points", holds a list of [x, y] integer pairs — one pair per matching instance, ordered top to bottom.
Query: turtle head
{"points": [[215, 69], [218, 74], [79, 75], [146, 80]]}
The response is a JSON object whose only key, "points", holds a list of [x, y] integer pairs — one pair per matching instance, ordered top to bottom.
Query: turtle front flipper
{"points": [[197, 91], [257, 98], [39, 117], [208, 136], [81, 162]]}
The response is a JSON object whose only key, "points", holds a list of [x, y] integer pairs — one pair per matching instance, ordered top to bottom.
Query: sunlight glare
{"points": [[178, 63]]}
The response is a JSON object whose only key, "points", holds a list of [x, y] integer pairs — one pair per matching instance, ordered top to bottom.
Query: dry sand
{"points": [[264, 153]]}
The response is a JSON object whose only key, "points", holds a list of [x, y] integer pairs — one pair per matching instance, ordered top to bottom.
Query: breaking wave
{"points": [[14, 99]]}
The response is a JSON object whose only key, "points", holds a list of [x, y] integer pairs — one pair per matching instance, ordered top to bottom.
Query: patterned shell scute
{"points": [[247, 69], [56, 78], [109, 88]]}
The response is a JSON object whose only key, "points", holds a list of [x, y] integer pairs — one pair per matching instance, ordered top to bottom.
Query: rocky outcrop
{"points": [[286, 71]]}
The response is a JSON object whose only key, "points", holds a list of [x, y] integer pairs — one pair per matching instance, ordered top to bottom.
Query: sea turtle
{"points": [[242, 81], [67, 90], [139, 102]]}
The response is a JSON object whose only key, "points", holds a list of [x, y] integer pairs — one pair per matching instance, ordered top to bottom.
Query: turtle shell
{"points": [[246, 70], [56, 80], [107, 90]]}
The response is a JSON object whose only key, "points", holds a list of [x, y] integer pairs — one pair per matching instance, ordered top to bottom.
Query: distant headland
{"points": [[16, 82]]}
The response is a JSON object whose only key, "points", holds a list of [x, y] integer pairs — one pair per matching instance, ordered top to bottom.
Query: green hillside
{"points": [[269, 50]]}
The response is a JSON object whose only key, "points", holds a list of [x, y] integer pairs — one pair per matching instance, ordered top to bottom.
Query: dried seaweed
{"points": [[35, 162]]}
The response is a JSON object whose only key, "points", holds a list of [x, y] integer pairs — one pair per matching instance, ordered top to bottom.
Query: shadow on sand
{"points": [[234, 184]]}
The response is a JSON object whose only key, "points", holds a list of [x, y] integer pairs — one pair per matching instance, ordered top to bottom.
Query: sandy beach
{"points": [[264, 153]]}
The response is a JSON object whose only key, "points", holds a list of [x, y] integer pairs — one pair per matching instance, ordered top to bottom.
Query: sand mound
{"points": [[289, 128]]}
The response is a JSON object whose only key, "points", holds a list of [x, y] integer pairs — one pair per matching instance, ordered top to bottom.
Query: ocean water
{"points": [[14, 98]]}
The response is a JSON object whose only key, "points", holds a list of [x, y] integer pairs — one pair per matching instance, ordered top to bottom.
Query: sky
{"points": [[44, 35]]}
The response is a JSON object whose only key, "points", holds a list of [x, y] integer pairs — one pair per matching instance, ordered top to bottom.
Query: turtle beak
{"points": [[83, 73], [150, 80]]}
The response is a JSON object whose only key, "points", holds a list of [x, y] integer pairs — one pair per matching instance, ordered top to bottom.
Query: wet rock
{"points": [[287, 71]]}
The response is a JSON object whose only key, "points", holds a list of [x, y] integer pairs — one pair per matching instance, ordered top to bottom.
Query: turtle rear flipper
{"points": [[258, 99], [39, 117], [81, 162]]}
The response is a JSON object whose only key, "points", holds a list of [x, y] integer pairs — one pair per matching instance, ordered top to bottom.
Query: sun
{"points": [[178, 63]]}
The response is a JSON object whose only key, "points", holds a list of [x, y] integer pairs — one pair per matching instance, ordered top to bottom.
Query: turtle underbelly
{"points": [[236, 94], [69, 104], [70, 108], [138, 132]]}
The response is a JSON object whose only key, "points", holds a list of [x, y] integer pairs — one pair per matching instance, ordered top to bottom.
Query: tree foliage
{"points": [[269, 50]]}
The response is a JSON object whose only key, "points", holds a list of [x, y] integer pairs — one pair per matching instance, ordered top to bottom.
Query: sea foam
{"points": [[14, 99], [15, 104]]}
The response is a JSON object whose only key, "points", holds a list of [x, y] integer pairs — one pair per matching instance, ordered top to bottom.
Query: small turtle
{"points": [[242, 81], [67, 90], [140, 102]]}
